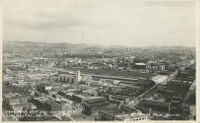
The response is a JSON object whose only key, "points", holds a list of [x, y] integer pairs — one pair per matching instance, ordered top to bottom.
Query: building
{"points": [[130, 59], [42, 60], [140, 65], [151, 65], [17, 67], [162, 67], [78, 76], [86, 77], [66, 78], [69, 78], [22, 82], [48, 87], [44, 88], [78, 98], [13, 99], [40, 103], [43, 103], [94, 104], [155, 105], [23, 107], [121, 115], [106, 116], [133, 117]]}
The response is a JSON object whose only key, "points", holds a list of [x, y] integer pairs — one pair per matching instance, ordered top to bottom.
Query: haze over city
{"points": [[106, 22]]}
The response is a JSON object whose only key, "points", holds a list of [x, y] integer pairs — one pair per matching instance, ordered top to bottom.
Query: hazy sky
{"points": [[107, 22]]}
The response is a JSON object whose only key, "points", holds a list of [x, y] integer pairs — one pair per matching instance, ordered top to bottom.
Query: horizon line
{"points": [[89, 44]]}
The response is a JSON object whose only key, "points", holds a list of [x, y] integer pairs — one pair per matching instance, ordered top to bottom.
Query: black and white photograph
{"points": [[99, 60]]}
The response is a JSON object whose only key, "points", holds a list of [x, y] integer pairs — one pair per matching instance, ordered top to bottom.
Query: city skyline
{"points": [[130, 23], [63, 82]]}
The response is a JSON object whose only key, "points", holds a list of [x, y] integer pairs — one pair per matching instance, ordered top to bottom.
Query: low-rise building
{"points": [[140, 65], [14, 99], [46, 104], [94, 104], [155, 105], [121, 115]]}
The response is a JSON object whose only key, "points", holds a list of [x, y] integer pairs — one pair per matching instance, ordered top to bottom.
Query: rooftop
{"points": [[140, 63], [12, 95], [41, 99], [95, 99], [130, 116]]}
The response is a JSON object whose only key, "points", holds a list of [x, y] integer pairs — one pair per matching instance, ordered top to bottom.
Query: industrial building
{"points": [[68, 78], [94, 104], [155, 105]]}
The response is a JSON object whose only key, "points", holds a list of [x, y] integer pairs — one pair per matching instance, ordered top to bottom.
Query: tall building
{"points": [[78, 76]]}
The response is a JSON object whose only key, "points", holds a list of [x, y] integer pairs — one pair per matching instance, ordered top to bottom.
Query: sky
{"points": [[105, 22]]}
